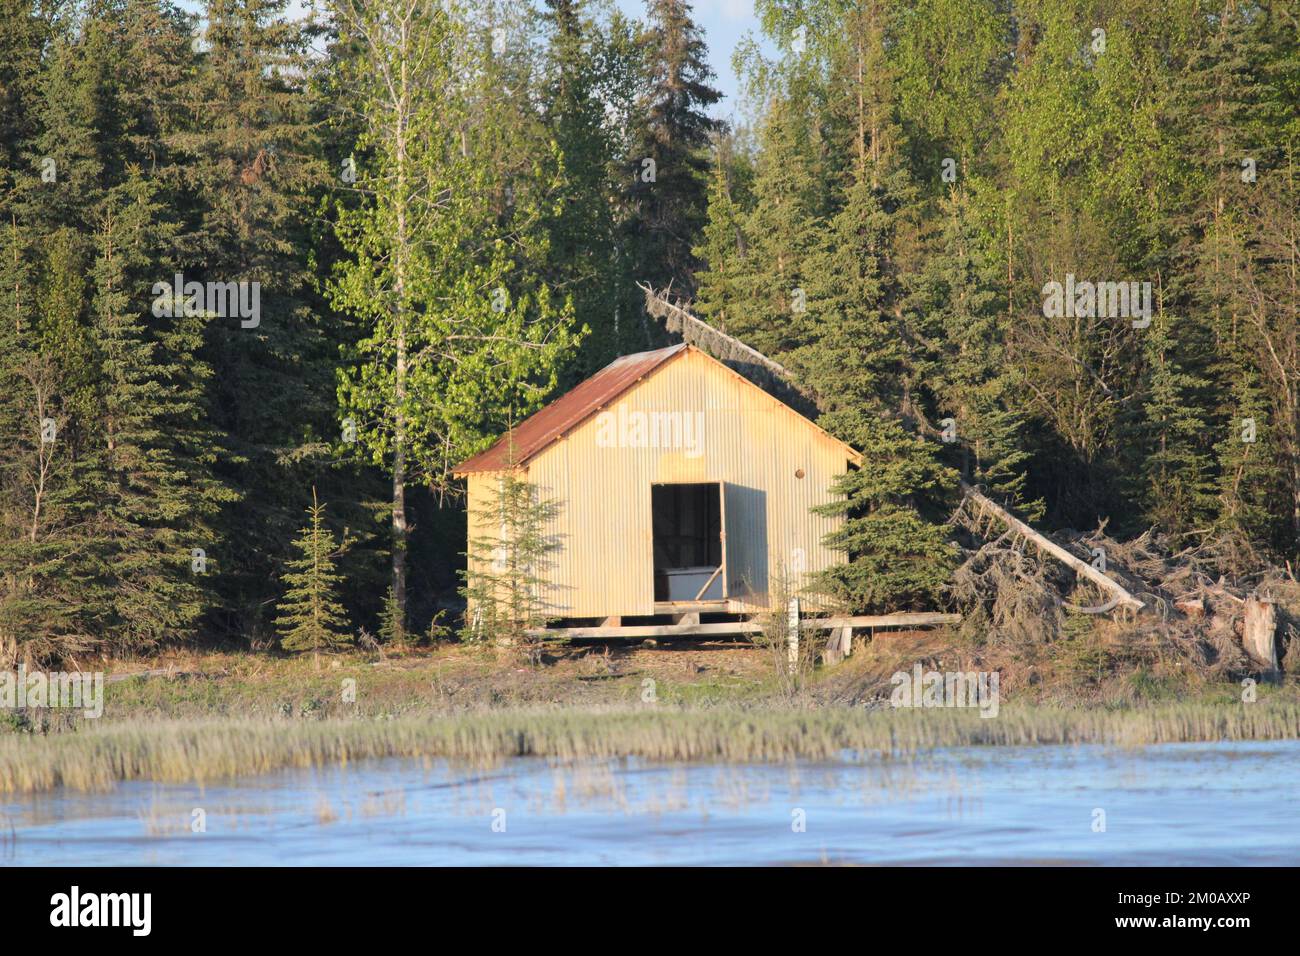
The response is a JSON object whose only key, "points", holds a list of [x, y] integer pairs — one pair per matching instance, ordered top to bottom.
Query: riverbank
{"points": [[1094, 669], [206, 717]]}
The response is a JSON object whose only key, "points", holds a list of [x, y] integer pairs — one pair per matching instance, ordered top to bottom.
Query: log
{"points": [[697, 332], [1120, 595], [1259, 631]]}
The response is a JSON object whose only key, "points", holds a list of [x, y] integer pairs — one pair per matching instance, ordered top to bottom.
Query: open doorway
{"points": [[687, 523]]}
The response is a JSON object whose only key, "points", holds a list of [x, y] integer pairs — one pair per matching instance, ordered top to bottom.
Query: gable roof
{"points": [[574, 407], [568, 411]]}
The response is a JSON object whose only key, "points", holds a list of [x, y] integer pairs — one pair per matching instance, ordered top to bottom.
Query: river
{"points": [[1228, 803]]}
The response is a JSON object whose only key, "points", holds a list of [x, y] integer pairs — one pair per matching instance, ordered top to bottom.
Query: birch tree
{"points": [[456, 332]]}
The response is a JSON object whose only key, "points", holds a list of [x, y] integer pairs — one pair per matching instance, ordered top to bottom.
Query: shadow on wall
{"points": [[746, 544]]}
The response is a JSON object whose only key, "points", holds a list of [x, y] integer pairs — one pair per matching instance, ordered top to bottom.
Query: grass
{"points": [[218, 716], [201, 751]]}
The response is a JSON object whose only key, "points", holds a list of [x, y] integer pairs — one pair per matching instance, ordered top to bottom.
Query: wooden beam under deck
{"points": [[687, 607], [724, 629]]}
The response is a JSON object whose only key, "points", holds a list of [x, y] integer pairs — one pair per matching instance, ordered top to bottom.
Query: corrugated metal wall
{"points": [[602, 473]]}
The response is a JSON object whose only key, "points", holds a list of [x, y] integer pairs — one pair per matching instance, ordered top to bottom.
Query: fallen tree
{"points": [[727, 348], [990, 510], [1021, 595]]}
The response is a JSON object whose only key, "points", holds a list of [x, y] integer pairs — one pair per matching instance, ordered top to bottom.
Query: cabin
{"points": [[681, 488]]}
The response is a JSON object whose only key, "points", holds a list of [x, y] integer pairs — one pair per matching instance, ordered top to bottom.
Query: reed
{"points": [[96, 756]]}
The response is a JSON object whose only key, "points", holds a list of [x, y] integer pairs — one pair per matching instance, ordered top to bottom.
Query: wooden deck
{"points": [[743, 628]]}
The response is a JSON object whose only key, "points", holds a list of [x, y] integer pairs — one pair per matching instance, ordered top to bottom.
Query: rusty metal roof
{"points": [[568, 411]]}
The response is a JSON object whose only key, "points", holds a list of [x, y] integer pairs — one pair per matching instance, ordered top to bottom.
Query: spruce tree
{"points": [[24, 30], [667, 170], [254, 174], [1239, 197], [723, 244], [764, 300], [865, 357], [970, 372], [1246, 452], [1172, 468], [148, 469], [124, 493], [894, 537], [896, 549], [506, 585], [41, 615], [309, 616], [392, 622]]}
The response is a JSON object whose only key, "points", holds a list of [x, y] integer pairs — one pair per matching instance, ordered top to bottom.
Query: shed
{"points": [[681, 487]]}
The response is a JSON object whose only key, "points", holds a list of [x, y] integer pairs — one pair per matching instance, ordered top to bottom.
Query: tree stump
{"points": [[1259, 631]]}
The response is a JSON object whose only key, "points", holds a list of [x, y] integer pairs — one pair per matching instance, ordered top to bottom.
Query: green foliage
{"points": [[947, 56], [590, 66], [667, 161], [253, 165], [920, 174], [760, 237], [724, 244], [484, 255], [815, 278], [457, 328], [969, 374], [147, 477], [893, 538], [898, 556], [506, 586], [38, 613], [309, 616], [392, 621]]}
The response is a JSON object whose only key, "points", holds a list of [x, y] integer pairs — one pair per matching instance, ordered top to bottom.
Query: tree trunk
{"points": [[400, 258]]}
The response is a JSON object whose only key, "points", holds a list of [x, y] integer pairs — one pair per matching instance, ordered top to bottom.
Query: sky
{"points": [[725, 23]]}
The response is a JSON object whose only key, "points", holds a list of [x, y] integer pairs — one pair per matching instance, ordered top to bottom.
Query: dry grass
{"points": [[218, 716], [204, 751]]}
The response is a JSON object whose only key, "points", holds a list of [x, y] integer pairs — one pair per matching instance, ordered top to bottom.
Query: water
{"points": [[1230, 803]]}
